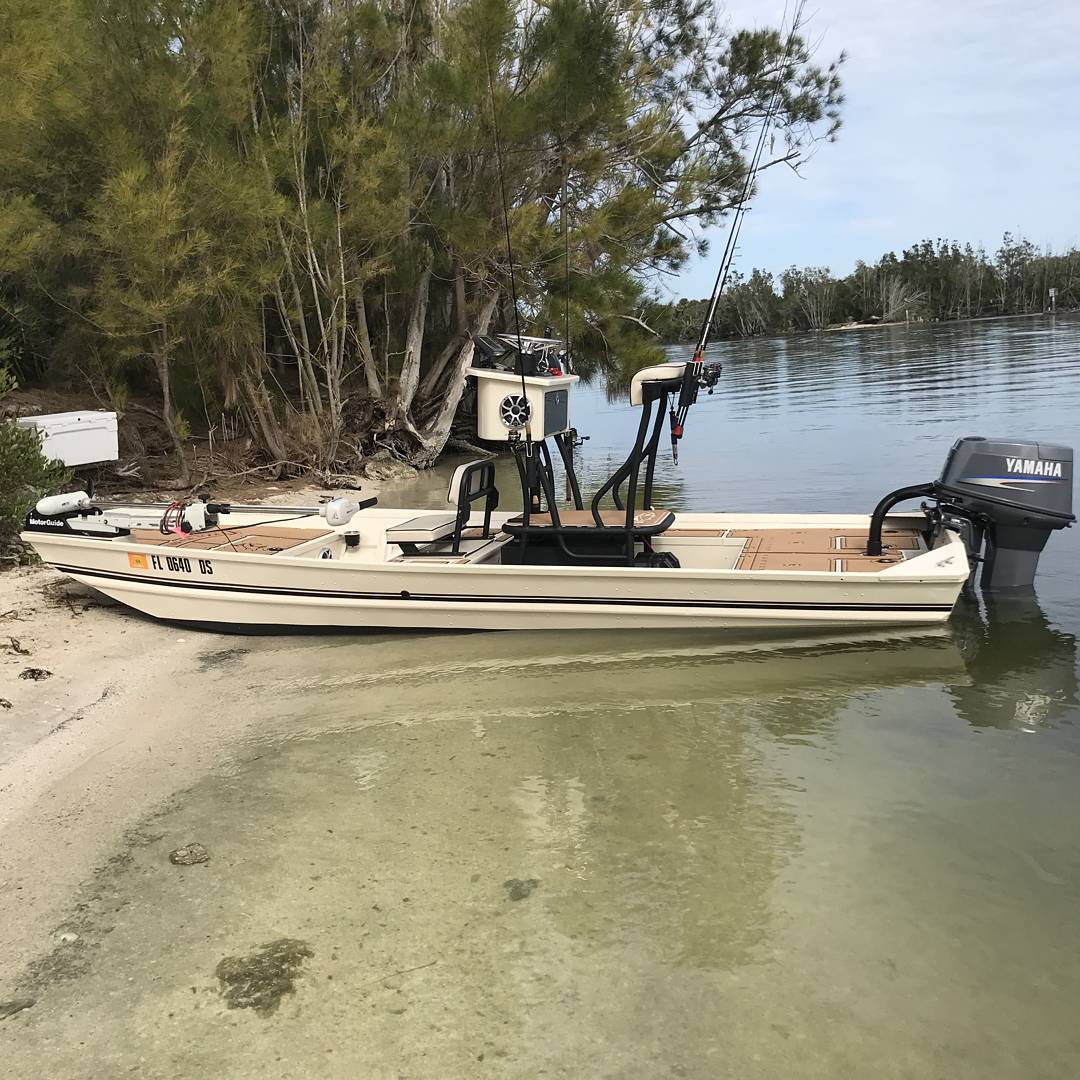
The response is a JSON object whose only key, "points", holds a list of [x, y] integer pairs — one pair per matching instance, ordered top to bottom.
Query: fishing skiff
{"points": [[616, 562]]}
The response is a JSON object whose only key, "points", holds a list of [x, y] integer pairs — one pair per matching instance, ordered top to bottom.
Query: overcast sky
{"points": [[962, 120]]}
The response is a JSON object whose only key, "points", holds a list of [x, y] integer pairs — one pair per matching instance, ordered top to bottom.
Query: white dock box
{"points": [[76, 438]]}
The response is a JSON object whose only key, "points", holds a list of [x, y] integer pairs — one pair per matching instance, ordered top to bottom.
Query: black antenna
{"points": [[566, 232], [509, 248]]}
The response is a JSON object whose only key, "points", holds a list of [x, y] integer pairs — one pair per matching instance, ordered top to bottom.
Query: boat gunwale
{"points": [[897, 572]]}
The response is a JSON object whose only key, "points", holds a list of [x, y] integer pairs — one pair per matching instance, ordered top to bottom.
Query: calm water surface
{"points": [[824, 857]]}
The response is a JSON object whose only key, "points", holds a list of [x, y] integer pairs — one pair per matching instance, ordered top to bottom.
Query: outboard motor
{"points": [[1017, 492], [1008, 493]]}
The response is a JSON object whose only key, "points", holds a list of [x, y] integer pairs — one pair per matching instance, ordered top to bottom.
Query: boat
{"points": [[615, 562], [620, 562]]}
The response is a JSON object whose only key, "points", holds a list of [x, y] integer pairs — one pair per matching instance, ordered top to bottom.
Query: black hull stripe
{"points": [[466, 598]]}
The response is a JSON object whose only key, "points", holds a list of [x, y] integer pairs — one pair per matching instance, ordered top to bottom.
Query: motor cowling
{"points": [[1015, 493], [71, 502]]}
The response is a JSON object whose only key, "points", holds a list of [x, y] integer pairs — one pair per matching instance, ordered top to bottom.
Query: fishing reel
{"points": [[710, 376], [696, 377], [183, 518]]}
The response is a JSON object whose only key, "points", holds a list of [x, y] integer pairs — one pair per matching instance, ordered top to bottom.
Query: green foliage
{"points": [[277, 208], [930, 281], [25, 476]]}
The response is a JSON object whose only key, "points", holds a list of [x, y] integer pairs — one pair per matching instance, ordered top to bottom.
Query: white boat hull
{"points": [[367, 588]]}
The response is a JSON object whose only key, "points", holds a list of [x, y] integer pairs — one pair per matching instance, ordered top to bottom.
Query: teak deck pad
{"points": [[577, 519], [249, 539], [820, 550], [823, 550]]}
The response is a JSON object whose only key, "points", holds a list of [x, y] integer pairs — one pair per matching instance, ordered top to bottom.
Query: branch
{"points": [[644, 325]]}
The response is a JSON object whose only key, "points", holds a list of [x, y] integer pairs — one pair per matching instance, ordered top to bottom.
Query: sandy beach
{"points": [[98, 711], [89, 748]]}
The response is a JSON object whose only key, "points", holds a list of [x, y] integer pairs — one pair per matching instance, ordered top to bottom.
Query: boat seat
{"points": [[670, 374], [471, 482], [425, 529], [428, 534]]}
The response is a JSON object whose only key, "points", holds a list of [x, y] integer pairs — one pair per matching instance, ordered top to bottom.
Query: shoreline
{"points": [[941, 322], [841, 327], [98, 743], [89, 750]]}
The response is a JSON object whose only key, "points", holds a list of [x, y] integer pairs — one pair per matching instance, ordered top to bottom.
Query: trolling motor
{"points": [[1004, 496]]}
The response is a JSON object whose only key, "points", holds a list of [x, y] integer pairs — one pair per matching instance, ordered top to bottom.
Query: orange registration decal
{"points": [[138, 562]]}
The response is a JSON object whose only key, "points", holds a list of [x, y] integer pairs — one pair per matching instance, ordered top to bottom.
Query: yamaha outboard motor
{"points": [[1018, 492], [1006, 493]]}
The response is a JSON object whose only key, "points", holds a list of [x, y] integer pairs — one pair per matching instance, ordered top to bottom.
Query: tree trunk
{"points": [[461, 332], [414, 342], [367, 354], [161, 363], [431, 381], [309, 386], [269, 431], [433, 438]]}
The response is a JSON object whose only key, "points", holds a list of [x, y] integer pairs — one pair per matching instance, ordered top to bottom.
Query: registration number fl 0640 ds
{"points": [[177, 564]]}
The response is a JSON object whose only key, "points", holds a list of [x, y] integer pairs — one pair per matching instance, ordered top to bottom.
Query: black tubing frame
{"points": [[536, 475], [877, 518]]}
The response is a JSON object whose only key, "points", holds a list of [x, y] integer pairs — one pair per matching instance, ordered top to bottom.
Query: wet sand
{"points": [[118, 723], [89, 749]]}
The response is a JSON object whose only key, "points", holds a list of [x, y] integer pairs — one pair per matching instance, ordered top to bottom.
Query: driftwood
{"points": [[463, 446], [341, 480]]}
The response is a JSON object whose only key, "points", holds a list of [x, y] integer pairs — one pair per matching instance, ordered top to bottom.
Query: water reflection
{"points": [[1023, 669], [631, 776], [662, 823], [732, 850]]}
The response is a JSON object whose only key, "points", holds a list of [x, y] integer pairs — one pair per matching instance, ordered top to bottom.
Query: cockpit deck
{"points": [[822, 549], [835, 550]]}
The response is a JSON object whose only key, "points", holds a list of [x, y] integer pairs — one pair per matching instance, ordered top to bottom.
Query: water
{"points": [[838, 856]]}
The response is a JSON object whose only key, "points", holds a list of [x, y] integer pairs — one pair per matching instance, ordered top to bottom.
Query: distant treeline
{"points": [[932, 281]]}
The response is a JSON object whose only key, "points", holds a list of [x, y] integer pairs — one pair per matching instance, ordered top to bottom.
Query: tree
{"points": [[296, 210], [933, 281], [810, 296], [24, 475]]}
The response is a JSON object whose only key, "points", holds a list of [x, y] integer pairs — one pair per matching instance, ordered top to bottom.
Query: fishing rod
{"points": [[509, 253], [697, 376]]}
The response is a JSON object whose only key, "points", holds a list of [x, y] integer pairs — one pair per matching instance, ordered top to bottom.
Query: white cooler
{"points": [[75, 438]]}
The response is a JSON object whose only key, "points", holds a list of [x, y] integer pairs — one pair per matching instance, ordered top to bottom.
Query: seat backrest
{"points": [[671, 373], [470, 480]]}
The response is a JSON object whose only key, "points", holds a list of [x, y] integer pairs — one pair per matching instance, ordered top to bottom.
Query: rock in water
{"points": [[381, 466], [189, 855], [520, 890], [260, 980], [16, 1005]]}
